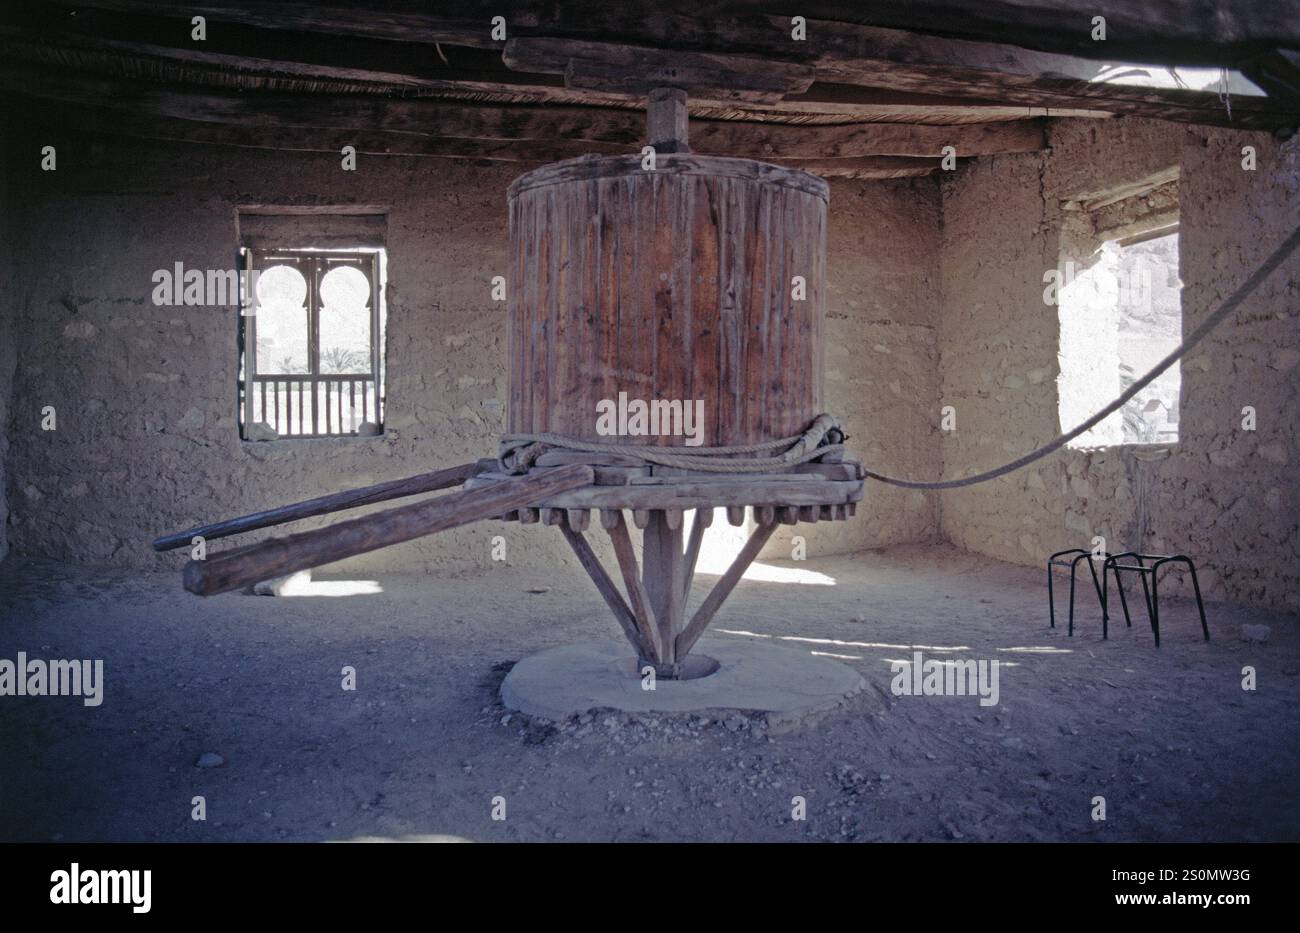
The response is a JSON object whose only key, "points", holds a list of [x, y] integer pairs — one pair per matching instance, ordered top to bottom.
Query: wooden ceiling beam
{"points": [[1162, 32], [1205, 33], [841, 52], [369, 69], [631, 69], [83, 119], [597, 129]]}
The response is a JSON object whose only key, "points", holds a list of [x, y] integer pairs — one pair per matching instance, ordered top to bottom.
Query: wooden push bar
{"points": [[335, 502], [277, 557]]}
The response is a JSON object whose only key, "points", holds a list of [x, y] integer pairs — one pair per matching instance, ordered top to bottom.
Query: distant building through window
{"points": [[1120, 313], [311, 341]]}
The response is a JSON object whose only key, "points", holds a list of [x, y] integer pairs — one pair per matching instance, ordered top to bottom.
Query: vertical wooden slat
{"points": [[739, 235], [609, 271], [753, 347], [352, 404], [328, 426]]}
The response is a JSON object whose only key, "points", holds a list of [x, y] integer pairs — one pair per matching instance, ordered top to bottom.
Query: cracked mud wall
{"points": [[147, 438], [1222, 495]]}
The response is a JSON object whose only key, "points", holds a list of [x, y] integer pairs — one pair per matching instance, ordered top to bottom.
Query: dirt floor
{"points": [[420, 749]]}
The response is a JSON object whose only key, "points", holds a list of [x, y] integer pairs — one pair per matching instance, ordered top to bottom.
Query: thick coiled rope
{"points": [[519, 451]]}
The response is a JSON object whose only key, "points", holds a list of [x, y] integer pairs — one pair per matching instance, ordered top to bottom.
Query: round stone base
{"points": [[786, 685]]}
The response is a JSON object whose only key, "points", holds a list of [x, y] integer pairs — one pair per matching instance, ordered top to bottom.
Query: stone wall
{"points": [[147, 437], [1223, 495]]}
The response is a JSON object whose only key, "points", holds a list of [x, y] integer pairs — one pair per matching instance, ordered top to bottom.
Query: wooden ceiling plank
{"points": [[1162, 32], [839, 51], [640, 69], [860, 103], [83, 119], [521, 126]]}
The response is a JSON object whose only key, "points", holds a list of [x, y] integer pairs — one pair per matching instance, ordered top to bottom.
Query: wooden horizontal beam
{"points": [[1166, 32], [848, 45], [900, 61], [370, 65], [607, 66], [510, 133], [299, 139], [323, 505], [276, 557]]}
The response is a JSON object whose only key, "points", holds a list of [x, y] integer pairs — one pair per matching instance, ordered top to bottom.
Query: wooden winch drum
{"points": [[676, 283]]}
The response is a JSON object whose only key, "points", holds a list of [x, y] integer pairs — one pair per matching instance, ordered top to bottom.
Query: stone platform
{"points": [[785, 684]]}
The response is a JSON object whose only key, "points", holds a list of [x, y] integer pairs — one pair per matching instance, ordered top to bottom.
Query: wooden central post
{"points": [[667, 120], [663, 562], [653, 617]]}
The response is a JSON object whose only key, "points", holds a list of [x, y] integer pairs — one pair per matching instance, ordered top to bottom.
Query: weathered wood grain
{"points": [[701, 238], [324, 505], [277, 557]]}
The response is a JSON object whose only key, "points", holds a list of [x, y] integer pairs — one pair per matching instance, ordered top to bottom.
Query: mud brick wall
{"points": [[147, 437], [1225, 496]]}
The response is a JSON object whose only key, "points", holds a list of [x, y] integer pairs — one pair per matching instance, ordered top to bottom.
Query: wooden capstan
{"points": [[666, 277]]}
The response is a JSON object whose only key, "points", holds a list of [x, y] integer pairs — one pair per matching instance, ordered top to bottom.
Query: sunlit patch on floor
{"points": [[332, 588]]}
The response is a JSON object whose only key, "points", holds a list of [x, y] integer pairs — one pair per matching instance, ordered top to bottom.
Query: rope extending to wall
{"points": [[1230, 305], [519, 451]]}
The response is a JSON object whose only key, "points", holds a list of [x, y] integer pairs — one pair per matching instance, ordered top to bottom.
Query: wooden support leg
{"points": [[703, 518], [278, 557], [590, 563], [662, 571], [722, 589], [640, 602]]}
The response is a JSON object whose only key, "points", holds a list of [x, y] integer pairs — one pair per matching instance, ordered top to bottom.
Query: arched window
{"points": [[312, 341]]}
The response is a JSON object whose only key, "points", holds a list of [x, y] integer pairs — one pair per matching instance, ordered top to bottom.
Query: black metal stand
{"points": [[1073, 563], [1150, 593]]}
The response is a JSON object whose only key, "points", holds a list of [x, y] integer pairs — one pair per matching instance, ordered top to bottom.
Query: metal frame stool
{"points": [[1082, 554], [1150, 594]]}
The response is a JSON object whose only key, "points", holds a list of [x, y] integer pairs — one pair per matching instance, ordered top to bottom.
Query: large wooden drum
{"points": [[703, 278]]}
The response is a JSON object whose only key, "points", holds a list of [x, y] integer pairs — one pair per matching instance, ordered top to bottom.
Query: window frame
{"points": [[1087, 229], [313, 264]]}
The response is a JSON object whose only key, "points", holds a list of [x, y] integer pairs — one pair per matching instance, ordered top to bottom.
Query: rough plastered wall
{"points": [[9, 299], [147, 439], [1223, 495]]}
